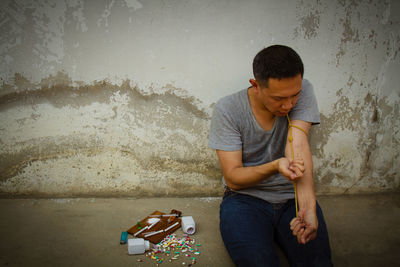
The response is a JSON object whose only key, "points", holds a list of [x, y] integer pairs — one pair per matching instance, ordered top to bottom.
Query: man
{"points": [[262, 158]]}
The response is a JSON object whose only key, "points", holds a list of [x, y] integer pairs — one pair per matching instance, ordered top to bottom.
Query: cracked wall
{"points": [[113, 98]]}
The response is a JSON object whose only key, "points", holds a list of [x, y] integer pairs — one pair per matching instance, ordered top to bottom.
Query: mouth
{"points": [[282, 113]]}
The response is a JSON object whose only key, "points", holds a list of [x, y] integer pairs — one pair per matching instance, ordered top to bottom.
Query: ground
{"points": [[364, 230]]}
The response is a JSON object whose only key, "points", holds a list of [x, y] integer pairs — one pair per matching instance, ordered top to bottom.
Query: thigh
{"points": [[247, 231], [314, 253]]}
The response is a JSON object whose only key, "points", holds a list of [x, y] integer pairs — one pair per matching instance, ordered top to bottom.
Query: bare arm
{"points": [[238, 177], [307, 223]]}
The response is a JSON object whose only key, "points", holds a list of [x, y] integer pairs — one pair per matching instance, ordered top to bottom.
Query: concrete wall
{"points": [[114, 97]]}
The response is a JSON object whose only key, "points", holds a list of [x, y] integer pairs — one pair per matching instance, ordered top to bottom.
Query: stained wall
{"points": [[114, 98]]}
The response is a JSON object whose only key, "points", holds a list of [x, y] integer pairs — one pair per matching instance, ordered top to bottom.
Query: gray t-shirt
{"points": [[234, 127]]}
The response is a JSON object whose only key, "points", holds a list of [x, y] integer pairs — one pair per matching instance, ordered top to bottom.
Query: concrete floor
{"points": [[364, 230]]}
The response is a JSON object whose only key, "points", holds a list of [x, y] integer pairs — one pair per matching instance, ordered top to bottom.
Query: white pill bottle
{"points": [[188, 225], [138, 245]]}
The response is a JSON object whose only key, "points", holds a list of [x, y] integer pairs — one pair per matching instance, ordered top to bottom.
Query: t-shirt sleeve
{"points": [[306, 108], [224, 132]]}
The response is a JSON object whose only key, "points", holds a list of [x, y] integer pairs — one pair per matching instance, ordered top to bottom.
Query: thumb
{"points": [[287, 172], [291, 175]]}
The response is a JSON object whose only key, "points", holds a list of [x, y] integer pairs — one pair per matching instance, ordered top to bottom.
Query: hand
{"points": [[291, 169], [305, 226]]}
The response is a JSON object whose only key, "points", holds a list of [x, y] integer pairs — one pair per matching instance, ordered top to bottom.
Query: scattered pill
{"points": [[174, 247]]}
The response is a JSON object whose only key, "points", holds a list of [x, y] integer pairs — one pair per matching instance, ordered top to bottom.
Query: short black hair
{"points": [[278, 62]]}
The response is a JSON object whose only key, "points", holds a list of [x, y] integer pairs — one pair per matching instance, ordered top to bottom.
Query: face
{"points": [[281, 95]]}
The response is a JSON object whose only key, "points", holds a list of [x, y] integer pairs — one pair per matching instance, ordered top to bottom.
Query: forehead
{"points": [[285, 87]]}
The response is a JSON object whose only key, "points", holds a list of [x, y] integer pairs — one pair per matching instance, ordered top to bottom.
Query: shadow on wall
{"points": [[65, 139]]}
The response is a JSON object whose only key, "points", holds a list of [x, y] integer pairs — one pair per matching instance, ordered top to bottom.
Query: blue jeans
{"points": [[250, 227]]}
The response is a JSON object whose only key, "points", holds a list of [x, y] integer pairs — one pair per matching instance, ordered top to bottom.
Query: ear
{"points": [[253, 83]]}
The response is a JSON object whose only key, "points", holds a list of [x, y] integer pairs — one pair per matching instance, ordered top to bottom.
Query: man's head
{"points": [[278, 62], [278, 72]]}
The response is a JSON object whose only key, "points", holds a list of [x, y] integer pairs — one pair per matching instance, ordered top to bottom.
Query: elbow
{"points": [[231, 184]]}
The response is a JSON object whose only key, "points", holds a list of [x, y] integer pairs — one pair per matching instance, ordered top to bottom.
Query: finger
{"points": [[297, 161], [299, 166], [297, 169], [297, 172], [288, 174], [294, 220], [295, 225], [298, 230], [309, 234], [299, 236], [311, 237]]}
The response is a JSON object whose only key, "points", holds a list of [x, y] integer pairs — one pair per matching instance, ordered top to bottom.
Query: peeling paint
{"points": [[135, 4], [357, 13], [78, 14], [309, 19], [103, 20], [86, 84], [118, 140], [350, 153]]}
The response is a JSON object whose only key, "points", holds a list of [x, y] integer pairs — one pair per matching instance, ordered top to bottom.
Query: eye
{"points": [[298, 93]]}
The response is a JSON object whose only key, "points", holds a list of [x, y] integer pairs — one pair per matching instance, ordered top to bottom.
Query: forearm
{"points": [[301, 150], [243, 177], [305, 185], [306, 218], [305, 225]]}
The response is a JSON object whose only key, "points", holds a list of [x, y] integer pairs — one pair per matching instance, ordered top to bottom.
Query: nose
{"points": [[288, 104]]}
